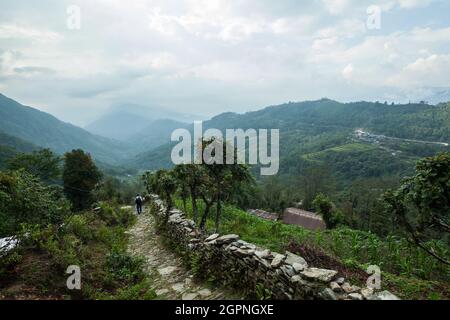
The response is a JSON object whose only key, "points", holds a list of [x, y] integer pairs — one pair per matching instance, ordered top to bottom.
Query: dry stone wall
{"points": [[259, 272]]}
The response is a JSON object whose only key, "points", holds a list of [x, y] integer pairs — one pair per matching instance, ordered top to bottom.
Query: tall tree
{"points": [[43, 164], [181, 175], [224, 176], [80, 177], [195, 177], [316, 180], [150, 182], [167, 188], [25, 199], [422, 204], [327, 210]]}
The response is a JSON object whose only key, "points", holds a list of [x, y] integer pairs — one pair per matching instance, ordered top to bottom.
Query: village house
{"points": [[264, 214]]}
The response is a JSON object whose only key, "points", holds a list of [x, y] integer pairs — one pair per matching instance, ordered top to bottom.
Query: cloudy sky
{"points": [[209, 56]]}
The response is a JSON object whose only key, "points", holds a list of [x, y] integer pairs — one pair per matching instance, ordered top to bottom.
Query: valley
{"points": [[324, 155]]}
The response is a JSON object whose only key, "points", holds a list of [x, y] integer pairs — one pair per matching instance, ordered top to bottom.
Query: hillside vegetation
{"points": [[324, 126], [44, 130], [55, 226], [407, 271]]}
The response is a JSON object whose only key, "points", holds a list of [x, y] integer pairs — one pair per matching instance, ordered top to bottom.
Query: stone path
{"points": [[171, 279]]}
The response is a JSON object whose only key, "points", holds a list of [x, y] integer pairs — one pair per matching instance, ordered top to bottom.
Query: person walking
{"points": [[138, 201]]}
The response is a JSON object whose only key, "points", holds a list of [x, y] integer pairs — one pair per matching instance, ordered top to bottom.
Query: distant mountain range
{"points": [[126, 121], [118, 125], [44, 130], [138, 132], [312, 133], [322, 133], [114, 138]]}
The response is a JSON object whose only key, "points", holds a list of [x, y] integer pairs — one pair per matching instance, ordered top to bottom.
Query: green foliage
{"points": [[42, 129], [11, 146], [43, 164], [80, 176], [164, 183], [118, 190], [24, 199], [421, 205], [326, 209], [114, 216], [96, 242], [394, 254], [124, 267], [140, 291], [262, 293]]}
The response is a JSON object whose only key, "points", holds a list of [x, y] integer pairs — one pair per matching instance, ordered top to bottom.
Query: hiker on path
{"points": [[138, 202]]}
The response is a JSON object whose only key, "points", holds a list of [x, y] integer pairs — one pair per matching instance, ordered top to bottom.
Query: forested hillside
{"points": [[44, 130], [323, 132], [10, 146]]}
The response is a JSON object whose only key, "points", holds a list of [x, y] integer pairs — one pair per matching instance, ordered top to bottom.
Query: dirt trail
{"points": [[170, 277]]}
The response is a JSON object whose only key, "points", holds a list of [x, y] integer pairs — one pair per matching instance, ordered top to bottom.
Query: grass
{"points": [[407, 271]]}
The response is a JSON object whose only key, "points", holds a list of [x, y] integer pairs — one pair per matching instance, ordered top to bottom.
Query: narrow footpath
{"points": [[171, 279]]}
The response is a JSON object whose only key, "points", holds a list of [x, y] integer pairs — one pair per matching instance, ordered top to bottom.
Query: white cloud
{"points": [[410, 4], [336, 7], [13, 31], [208, 55], [432, 70], [347, 72]]}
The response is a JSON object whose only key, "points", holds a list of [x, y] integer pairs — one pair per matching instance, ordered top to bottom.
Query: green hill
{"points": [[44, 130], [323, 132], [10, 146]]}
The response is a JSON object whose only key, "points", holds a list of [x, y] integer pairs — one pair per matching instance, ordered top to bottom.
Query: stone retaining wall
{"points": [[257, 271]]}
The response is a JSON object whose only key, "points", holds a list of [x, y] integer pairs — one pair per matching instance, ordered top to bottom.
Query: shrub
{"points": [[24, 199], [114, 216], [124, 267]]}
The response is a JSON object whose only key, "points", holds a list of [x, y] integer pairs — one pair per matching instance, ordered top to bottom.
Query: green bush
{"points": [[24, 199], [114, 216], [123, 267]]}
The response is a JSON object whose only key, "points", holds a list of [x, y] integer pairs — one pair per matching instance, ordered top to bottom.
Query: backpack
{"points": [[138, 200]]}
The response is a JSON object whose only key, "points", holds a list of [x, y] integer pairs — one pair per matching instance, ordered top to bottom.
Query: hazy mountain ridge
{"points": [[128, 121], [120, 126], [44, 130], [311, 132], [156, 134]]}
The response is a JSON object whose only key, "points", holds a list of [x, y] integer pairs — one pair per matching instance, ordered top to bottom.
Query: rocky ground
{"points": [[170, 277]]}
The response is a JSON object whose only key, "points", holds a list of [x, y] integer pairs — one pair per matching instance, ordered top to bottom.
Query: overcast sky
{"points": [[209, 56]]}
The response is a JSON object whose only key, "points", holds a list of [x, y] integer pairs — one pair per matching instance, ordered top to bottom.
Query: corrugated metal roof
{"points": [[306, 219]]}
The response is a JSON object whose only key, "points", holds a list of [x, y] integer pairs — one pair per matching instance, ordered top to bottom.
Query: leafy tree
{"points": [[44, 164], [181, 174], [195, 176], [80, 177], [224, 177], [316, 180], [150, 182], [167, 188], [109, 189], [209, 197], [24, 199], [422, 204], [326, 209]]}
